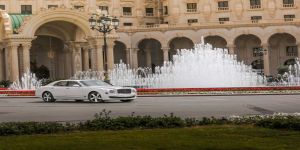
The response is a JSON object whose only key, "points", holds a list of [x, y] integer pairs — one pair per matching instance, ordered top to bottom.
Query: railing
{"points": [[288, 5], [255, 6], [223, 8], [191, 10], [127, 14], [149, 14], [288, 19], [255, 20], [218, 24], [291, 54]]}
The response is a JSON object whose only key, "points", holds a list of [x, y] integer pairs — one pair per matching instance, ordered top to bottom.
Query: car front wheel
{"points": [[48, 97], [95, 97]]}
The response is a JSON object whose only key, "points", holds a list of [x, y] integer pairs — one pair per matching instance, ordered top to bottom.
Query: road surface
{"points": [[33, 109]]}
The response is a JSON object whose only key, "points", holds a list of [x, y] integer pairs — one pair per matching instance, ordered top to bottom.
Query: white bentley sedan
{"points": [[92, 90]]}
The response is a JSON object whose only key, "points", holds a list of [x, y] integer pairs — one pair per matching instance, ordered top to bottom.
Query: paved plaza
{"points": [[33, 109]]}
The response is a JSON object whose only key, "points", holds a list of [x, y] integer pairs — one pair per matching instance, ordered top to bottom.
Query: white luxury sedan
{"points": [[92, 90]]}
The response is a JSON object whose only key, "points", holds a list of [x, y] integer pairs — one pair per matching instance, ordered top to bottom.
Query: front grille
{"points": [[124, 91]]}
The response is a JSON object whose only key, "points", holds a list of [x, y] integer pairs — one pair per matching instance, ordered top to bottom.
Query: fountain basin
{"points": [[186, 91]]}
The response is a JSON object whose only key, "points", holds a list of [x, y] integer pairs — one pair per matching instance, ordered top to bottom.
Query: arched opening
{"points": [[216, 41], [179, 43], [282, 47], [248, 48], [55, 49], [120, 53], [150, 53]]}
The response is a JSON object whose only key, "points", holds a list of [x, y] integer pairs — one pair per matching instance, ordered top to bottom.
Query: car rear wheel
{"points": [[48, 97], [95, 97], [127, 100]]}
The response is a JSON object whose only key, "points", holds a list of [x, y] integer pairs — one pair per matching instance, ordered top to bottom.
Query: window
{"points": [[288, 3], [255, 4], [223, 5], [52, 6], [2, 7], [78, 7], [191, 7], [104, 8], [26, 9], [166, 10], [127, 11], [149, 12], [289, 17], [255, 19], [192, 20], [223, 20], [127, 24], [257, 51], [291, 51], [61, 83], [72, 83]]}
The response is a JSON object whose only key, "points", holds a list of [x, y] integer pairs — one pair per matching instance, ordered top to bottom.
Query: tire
{"points": [[48, 97], [95, 97], [127, 100]]}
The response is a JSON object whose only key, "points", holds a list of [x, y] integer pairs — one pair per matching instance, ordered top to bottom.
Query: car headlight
{"points": [[133, 90], [111, 91]]}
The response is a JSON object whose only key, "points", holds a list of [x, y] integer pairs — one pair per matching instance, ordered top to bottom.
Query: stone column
{"points": [[13, 48], [231, 48], [298, 48], [166, 53], [7, 55], [110, 55], [134, 55], [26, 56], [128, 56], [148, 57], [77, 58], [99, 58], [86, 59], [266, 59], [1, 64]]}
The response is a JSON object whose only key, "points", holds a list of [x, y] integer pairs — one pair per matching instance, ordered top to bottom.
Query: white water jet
{"points": [[202, 66], [27, 82]]}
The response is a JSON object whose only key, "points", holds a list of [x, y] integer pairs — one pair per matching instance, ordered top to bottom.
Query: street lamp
{"points": [[104, 24], [260, 52]]}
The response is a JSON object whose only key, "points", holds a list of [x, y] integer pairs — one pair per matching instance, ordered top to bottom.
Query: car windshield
{"points": [[94, 83]]}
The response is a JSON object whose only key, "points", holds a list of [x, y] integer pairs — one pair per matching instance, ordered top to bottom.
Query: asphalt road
{"points": [[33, 109]]}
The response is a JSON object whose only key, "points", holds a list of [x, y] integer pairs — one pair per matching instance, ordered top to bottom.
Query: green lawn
{"points": [[208, 137]]}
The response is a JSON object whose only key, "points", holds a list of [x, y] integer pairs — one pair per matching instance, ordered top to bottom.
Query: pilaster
{"points": [[231, 48], [166, 53], [266, 59]]}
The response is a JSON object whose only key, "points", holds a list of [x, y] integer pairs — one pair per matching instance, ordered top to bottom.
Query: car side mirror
{"points": [[76, 85]]}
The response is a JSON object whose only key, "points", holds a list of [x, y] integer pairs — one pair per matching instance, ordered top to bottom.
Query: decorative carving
{"points": [[271, 4]]}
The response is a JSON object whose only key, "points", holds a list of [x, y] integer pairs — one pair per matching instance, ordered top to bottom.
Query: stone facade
{"points": [[56, 33]]}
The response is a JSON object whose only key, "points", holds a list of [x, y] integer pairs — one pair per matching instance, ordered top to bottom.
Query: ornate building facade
{"points": [[56, 33]]}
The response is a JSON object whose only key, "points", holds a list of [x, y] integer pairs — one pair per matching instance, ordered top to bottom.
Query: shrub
{"points": [[5, 83]]}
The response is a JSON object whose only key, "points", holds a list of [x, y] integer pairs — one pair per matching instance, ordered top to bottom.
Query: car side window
{"points": [[61, 83], [72, 83]]}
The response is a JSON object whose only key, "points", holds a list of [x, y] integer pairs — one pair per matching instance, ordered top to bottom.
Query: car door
{"points": [[59, 89], [74, 90]]}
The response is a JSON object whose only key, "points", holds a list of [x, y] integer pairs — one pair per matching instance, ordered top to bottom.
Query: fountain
{"points": [[202, 66], [27, 82]]}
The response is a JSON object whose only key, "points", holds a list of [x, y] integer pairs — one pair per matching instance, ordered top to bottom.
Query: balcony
{"points": [[288, 5], [255, 7], [223, 8], [191, 10], [127, 13], [149, 14], [288, 19], [255, 20], [211, 25], [291, 54]]}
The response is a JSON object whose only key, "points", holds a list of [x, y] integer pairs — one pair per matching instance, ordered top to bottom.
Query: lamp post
{"points": [[104, 24], [260, 52]]}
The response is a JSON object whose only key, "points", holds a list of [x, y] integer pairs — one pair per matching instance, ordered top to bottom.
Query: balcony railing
{"points": [[288, 5], [255, 7], [223, 8], [191, 10], [127, 14], [149, 14], [288, 19], [255, 20], [206, 25], [291, 54]]}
